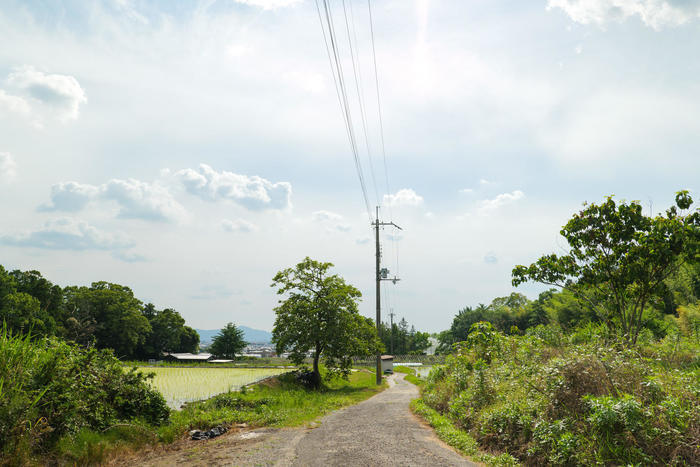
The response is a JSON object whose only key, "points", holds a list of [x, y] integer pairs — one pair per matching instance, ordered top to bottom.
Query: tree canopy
{"points": [[619, 260], [106, 315], [319, 316], [406, 341], [228, 342]]}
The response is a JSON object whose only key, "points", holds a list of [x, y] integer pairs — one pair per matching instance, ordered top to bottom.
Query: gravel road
{"points": [[380, 431]]}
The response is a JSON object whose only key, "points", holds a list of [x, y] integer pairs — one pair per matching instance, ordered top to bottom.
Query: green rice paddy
{"points": [[180, 385]]}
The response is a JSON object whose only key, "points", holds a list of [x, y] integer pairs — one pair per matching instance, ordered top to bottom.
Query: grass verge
{"points": [[410, 375], [458, 439]]}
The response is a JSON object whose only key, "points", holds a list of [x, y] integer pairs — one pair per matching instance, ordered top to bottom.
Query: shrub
{"points": [[50, 389], [585, 400]]}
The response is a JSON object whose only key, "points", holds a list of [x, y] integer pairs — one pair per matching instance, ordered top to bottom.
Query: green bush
{"points": [[51, 389], [581, 399]]}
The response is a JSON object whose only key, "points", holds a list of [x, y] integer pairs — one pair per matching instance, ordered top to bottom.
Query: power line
{"points": [[357, 72], [338, 77], [379, 102], [394, 245]]}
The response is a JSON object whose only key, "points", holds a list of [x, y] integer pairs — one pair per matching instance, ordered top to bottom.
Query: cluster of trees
{"points": [[624, 269], [105, 315], [400, 340]]}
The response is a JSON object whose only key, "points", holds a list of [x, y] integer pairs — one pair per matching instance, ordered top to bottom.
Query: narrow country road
{"points": [[380, 431]]}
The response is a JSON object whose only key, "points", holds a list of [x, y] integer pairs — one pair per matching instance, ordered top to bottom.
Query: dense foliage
{"points": [[619, 259], [515, 313], [105, 315], [319, 316], [399, 339], [228, 342], [51, 389], [549, 398]]}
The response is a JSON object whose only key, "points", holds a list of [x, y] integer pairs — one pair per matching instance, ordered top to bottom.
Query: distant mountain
{"points": [[252, 336]]}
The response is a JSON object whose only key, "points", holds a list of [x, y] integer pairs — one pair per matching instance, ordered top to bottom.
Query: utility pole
{"points": [[381, 274], [391, 315]]}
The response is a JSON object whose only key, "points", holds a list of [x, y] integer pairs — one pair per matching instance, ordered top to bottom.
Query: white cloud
{"points": [[269, 4], [654, 13], [62, 93], [14, 104], [8, 166], [466, 191], [252, 192], [70, 197], [403, 197], [136, 199], [141, 200], [489, 205], [320, 216], [332, 220], [238, 225], [66, 233], [362, 240], [129, 257], [490, 258]]}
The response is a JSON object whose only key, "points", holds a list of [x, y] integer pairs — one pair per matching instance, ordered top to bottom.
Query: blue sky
{"points": [[192, 149]]}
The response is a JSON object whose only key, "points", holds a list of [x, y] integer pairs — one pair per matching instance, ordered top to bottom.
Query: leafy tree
{"points": [[619, 258], [8, 284], [50, 296], [569, 312], [23, 313], [114, 314], [320, 316], [166, 327], [189, 340], [228, 342]]}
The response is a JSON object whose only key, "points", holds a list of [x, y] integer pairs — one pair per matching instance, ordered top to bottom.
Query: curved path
{"points": [[380, 431]]}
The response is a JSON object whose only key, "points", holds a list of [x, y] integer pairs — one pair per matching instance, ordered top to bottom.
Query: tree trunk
{"points": [[317, 374]]}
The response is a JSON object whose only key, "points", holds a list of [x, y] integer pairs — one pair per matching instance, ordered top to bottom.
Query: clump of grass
{"points": [[410, 374], [415, 380], [458, 439]]}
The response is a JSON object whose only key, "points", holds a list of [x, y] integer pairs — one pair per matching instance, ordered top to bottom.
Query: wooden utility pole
{"points": [[381, 274]]}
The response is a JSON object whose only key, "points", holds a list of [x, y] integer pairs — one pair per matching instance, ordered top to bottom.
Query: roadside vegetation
{"points": [[605, 371], [54, 395], [548, 398], [61, 403]]}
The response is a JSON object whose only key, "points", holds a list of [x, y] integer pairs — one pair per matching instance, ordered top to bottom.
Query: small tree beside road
{"points": [[319, 315], [228, 342]]}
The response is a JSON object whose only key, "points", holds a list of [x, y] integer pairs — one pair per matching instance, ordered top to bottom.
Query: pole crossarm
{"points": [[387, 223]]}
